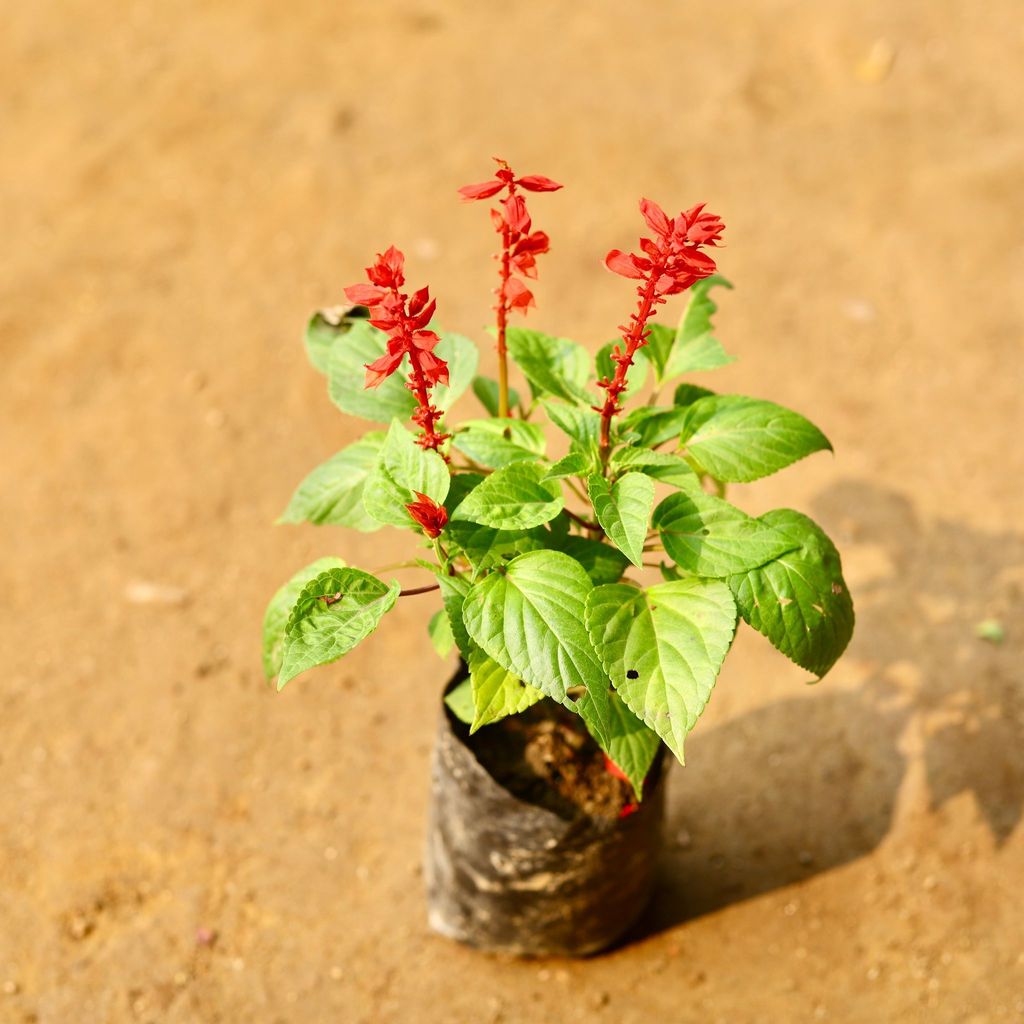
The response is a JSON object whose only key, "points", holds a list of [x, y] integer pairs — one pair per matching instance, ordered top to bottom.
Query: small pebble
{"points": [[877, 62], [860, 311], [149, 592], [683, 839], [330, 853], [205, 936], [336, 973], [11, 988]]}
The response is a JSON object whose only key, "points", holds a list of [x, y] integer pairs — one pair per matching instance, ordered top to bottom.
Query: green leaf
{"points": [[324, 329], [695, 348], [462, 357], [553, 366], [346, 371], [637, 374], [486, 390], [687, 394], [582, 425], [653, 425], [739, 439], [499, 442], [573, 464], [663, 466], [403, 468], [461, 485], [333, 492], [513, 498], [624, 510], [710, 537], [485, 547], [602, 562], [453, 593], [799, 601], [280, 608], [529, 619], [318, 632], [440, 632], [663, 648], [497, 693], [460, 701], [621, 735]]}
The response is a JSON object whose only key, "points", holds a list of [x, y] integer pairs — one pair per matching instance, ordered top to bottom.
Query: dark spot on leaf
{"points": [[705, 531], [632, 674]]}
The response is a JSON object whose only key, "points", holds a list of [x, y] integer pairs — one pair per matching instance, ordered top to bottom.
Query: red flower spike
{"points": [[519, 249], [673, 261], [403, 318], [428, 514]]}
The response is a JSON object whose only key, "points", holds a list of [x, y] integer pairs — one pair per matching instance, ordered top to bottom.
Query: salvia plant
{"points": [[535, 512]]}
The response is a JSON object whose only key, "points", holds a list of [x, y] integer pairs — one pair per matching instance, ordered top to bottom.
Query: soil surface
{"points": [[181, 184], [544, 757]]}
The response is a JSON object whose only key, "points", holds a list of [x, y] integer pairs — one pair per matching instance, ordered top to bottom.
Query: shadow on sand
{"points": [[804, 785]]}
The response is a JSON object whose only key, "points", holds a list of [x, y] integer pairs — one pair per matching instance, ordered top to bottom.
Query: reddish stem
{"points": [[635, 337], [412, 591]]}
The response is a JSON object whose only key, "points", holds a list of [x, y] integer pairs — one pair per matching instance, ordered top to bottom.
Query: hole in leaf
{"points": [[632, 674]]}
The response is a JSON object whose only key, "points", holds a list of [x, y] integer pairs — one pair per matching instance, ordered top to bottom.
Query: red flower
{"points": [[504, 177], [537, 183], [484, 190], [520, 247], [672, 261], [517, 295], [404, 319], [431, 516], [613, 769]]}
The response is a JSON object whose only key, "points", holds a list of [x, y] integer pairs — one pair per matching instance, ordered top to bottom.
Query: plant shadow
{"points": [[809, 783]]}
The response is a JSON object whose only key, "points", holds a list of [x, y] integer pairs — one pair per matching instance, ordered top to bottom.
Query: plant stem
{"points": [[502, 309], [634, 337], [578, 491], [585, 523], [394, 565], [411, 591]]}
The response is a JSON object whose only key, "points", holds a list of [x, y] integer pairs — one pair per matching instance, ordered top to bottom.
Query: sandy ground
{"points": [[180, 184]]}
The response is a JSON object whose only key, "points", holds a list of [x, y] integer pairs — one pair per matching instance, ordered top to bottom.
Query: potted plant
{"points": [[591, 572]]}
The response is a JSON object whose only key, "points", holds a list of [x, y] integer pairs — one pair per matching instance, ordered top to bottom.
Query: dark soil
{"points": [[544, 757]]}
